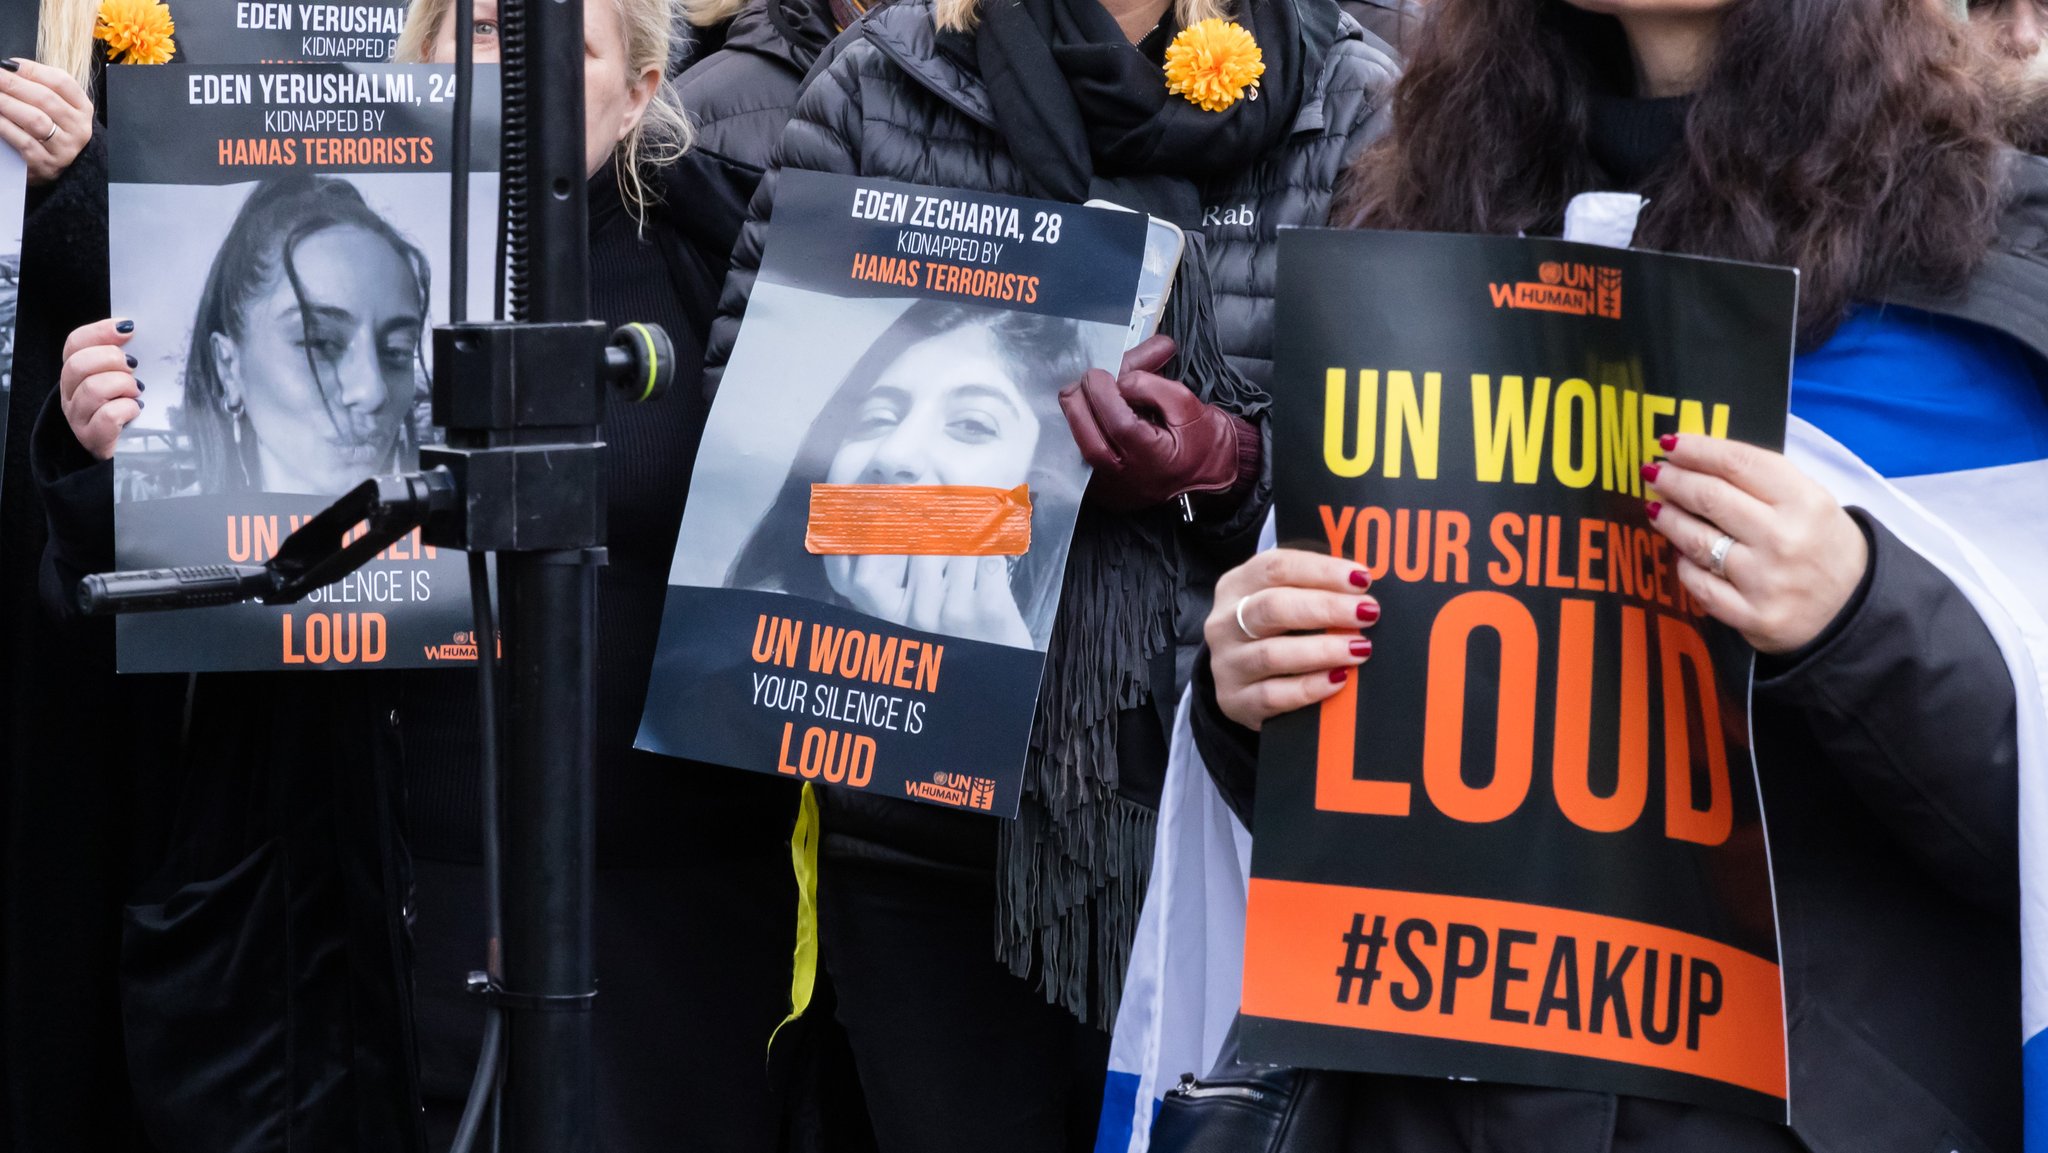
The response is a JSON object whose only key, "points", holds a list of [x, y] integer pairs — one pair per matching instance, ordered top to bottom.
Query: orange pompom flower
{"points": [[136, 31], [1213, 63]]}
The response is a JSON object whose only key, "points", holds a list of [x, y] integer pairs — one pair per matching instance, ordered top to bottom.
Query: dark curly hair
{"points": [[1854, 139]]}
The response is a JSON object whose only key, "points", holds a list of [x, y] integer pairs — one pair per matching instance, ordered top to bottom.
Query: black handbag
{"points": [[1245, 1108], [1237, 1109]]}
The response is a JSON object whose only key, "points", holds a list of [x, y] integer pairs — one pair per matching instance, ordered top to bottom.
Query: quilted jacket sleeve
{"points": [[823, 135]]}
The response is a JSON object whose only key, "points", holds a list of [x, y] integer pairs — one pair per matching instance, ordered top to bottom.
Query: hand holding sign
{"points": [[44, 115], [98, 389], [1149, 438], [1796, 557], [1267, 645]]}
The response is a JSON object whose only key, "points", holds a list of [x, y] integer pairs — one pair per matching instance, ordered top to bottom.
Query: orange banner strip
{"points": [[918, 520], [1429, 965]]}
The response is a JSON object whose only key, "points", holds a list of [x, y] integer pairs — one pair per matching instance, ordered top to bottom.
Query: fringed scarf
{"points": [[1086, 115], [1075, 862]]}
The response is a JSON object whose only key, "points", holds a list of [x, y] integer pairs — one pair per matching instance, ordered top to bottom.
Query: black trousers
{"points": [[955, 1055]]}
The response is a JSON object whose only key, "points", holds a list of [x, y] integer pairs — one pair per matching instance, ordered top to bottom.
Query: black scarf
{"points": [[1086, 115]]}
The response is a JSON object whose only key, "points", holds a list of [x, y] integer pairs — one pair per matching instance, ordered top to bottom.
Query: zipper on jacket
{"points": [[1195, 1090]]}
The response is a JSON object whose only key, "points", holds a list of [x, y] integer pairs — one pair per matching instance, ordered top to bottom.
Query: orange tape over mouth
{"points": [[918, 520]]}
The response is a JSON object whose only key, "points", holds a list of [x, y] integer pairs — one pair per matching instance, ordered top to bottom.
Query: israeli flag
{"points": [[1981, 527], [1187, 963]]}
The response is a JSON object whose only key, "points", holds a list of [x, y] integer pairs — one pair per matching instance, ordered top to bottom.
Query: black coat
{"points": [[739, 98], [1888, 757], [64, 808], [265, 969]]}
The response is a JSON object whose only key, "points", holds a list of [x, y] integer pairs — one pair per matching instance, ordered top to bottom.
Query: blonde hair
{"points": [[709, 13], [960, 15], [64, 38], [663, 133]]}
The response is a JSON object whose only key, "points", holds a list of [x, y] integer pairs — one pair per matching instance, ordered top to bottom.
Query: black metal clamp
{"points": [[480, 984]]}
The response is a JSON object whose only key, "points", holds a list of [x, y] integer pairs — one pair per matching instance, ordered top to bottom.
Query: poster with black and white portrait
{"points": [[288, 31], [13, 203], [279, 238], [870, 562]]}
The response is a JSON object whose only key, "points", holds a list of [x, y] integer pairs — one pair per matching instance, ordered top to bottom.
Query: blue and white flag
{"points": [[1187, 961]]}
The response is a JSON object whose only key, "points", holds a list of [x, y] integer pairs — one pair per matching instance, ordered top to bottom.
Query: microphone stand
{"points": [[520, 476]]}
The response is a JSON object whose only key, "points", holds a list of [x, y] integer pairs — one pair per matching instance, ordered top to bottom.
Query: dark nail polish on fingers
{"points": [[11, 65], [125, 327], [133, 363], [139, 386], [139, 403], [1669, 440], [1651, 470], [1653, 507], [1361, 578], [1368, 612], [1362, 647], [1337, 676]]}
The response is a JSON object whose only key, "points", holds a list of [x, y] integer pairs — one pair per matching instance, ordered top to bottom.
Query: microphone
{"points": [[197, 586]]}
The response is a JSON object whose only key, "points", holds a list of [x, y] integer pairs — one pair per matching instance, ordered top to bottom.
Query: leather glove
{"points": [[1150, 439]]}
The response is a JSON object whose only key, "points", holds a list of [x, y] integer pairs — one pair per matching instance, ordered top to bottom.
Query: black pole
{"points": [[541, 45], [550, 602], [550, 840]]}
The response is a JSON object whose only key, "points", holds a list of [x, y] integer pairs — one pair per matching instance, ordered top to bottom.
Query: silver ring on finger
{"points": [[52, 134], [1717, 555], [1241, 626]]}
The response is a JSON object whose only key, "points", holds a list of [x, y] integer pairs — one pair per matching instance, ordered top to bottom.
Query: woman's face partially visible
{"points": [[2015, 29], [613, 98], [329, 380], [946, 412]]}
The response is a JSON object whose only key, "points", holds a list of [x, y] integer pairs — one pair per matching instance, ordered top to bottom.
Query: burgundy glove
{"points": [[1150, 439]]}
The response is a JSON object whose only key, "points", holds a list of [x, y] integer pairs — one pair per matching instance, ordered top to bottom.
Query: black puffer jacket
{"points": [[1398, 22], [739, 97], [887, 102], [891, 105]]}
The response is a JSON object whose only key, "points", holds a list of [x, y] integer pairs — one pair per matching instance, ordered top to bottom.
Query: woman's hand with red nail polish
{"points": [[1284, 632]]}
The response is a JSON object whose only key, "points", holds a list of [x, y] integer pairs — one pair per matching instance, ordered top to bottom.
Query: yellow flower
{"points": [[136, 31], [1213, 63]]}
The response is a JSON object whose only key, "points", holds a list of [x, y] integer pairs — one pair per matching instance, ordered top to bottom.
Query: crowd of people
{"points": [[239, 909]]}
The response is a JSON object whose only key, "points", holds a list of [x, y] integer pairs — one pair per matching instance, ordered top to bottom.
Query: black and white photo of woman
{"points": [[304, 371], [948, 394]]}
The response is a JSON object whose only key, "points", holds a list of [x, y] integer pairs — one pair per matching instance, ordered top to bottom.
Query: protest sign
{"points": [[290, 32], [279, 236], [870, 563], [1524, 843]]}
